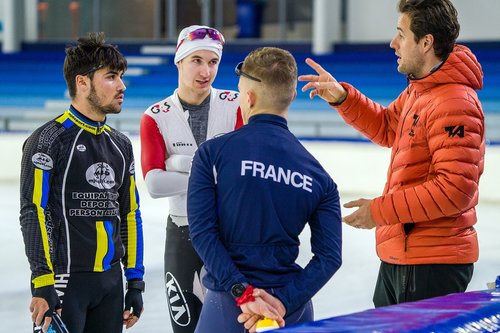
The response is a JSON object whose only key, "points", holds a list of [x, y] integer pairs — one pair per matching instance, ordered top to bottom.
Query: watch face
{"points": [[237, 290]]}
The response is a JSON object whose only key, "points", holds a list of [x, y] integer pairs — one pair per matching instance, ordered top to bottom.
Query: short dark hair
{"points": [[436, 17], [90, 54], [277, 69]]}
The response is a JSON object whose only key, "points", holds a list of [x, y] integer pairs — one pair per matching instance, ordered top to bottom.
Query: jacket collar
{"points": [[461, 67], [73, 117], [268, 118]]}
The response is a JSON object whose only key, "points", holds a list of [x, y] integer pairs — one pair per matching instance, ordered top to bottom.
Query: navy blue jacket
{"points": [[251, 192]]}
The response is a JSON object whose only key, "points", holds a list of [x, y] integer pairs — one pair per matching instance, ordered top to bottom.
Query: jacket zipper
{"points": [[403, 124]]}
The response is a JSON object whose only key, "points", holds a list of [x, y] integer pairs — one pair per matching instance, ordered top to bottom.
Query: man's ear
{"points": [[428, 43], [82, 83], [251, 98]]}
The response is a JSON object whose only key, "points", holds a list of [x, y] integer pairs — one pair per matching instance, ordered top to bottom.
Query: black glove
{"points": [[49, 294], [133, 299]]}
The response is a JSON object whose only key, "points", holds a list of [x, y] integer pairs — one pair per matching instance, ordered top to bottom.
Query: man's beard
{"points": [[413, 69], [98, 106]]}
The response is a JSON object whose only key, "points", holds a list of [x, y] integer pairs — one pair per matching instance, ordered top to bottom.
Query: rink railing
{"points": [[302, 124], [305, 124]]}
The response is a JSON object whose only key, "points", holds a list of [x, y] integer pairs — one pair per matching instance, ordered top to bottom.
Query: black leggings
{"points": [[408, 283], [183, 286], [92, 302]]}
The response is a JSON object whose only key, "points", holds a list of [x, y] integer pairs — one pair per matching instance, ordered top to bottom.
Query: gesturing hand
{"points": [[323, 84], [362, 217]]}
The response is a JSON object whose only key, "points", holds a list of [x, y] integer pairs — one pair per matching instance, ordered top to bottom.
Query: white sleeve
{"points": [[180, 163], [162, 183]]}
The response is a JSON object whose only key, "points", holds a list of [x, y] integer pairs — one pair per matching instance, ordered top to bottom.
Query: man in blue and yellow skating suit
{"points": [[80, 212]]}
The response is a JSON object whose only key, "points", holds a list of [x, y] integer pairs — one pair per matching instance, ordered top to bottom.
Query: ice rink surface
{"points": [[358, 169]]}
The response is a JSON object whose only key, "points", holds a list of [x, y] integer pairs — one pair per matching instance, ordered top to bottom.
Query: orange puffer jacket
{"points": [[436, 130]]}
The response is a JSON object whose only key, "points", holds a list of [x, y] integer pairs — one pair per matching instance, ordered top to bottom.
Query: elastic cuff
{"points": [[338, 102], [134, 273], [43, 280], [136, 284]]}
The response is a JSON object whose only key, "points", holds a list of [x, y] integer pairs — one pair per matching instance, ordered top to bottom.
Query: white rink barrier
{"points": [[358, 168]]}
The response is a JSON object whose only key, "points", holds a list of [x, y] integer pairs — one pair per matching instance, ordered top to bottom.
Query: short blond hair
{"points": [[277, 69]]}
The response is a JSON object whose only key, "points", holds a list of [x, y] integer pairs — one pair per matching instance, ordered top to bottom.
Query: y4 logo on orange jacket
{"points": [[455, 130]]}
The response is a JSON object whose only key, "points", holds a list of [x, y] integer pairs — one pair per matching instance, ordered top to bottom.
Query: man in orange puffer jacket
{"points": [[425, 218]]}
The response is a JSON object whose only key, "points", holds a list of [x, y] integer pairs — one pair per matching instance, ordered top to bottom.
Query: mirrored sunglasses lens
{"points": [[201, 33], [197, 34], [214, 35], [237, 70]]}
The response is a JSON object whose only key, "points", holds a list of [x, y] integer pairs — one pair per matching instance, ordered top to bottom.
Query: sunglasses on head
{"points": [[201, 33], [93, 69], [239, 72]]}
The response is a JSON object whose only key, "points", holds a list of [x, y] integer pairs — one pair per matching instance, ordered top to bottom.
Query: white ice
{"points": [[358, 169]]}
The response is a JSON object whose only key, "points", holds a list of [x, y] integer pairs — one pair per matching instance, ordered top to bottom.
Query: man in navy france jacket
{"points": [[251, 193]]}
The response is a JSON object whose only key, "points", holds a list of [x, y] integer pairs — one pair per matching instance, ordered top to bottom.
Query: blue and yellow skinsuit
{"points": [[79, 202]]}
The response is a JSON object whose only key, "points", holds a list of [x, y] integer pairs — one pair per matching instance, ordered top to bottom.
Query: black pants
{"points": [[182, 279], [407, 283], [92, 302]]}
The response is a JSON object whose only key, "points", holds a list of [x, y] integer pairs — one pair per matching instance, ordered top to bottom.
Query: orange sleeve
{"points": [[375, 121]]}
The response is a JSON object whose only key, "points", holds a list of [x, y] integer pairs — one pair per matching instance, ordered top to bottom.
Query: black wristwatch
{"points": [[136, 284], [238, 289]]}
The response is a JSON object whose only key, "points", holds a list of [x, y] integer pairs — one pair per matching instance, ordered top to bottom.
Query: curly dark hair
{"points": [[436, 17], [90, 54]]}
